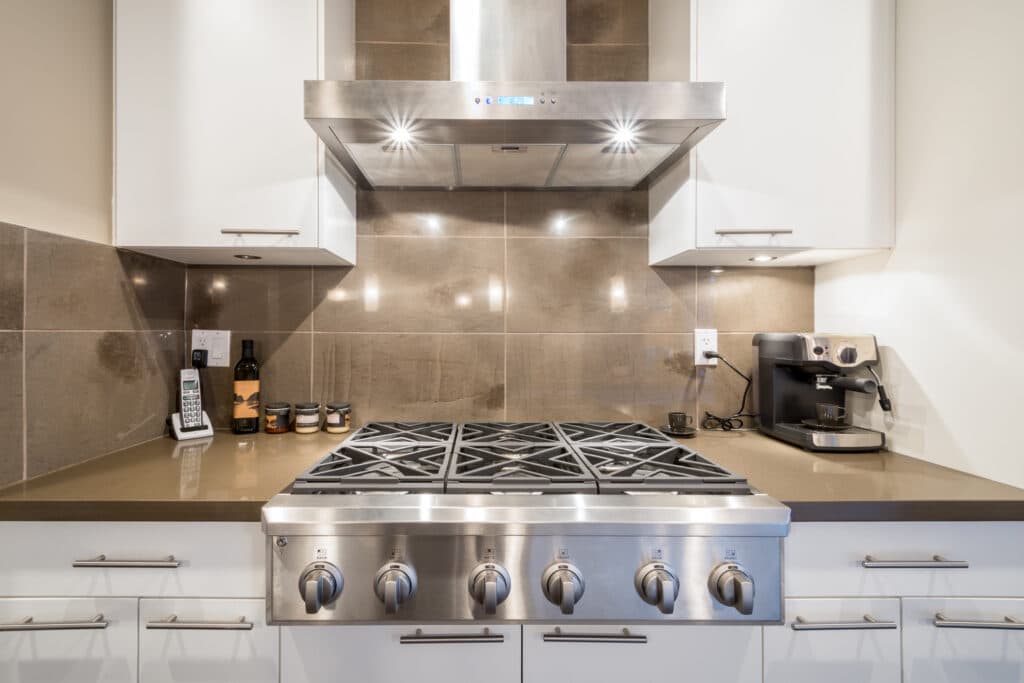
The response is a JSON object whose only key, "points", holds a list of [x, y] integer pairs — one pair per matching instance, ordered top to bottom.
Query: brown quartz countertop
{"points": [[229, 478]]}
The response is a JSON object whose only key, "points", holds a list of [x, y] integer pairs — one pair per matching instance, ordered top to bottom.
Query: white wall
{"points": [[56, 118], [948, 303]]}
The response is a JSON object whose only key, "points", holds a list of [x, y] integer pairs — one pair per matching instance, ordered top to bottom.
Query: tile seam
{"points": [[24, 355]]}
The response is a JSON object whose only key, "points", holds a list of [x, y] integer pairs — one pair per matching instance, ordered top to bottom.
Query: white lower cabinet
{"points": [[84, 640], [834, 640], [973, 640], [206, 641], [385, 654], [710, 654]]}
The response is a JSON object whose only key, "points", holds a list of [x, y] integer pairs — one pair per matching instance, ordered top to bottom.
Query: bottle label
{"points": [[247, 399]]}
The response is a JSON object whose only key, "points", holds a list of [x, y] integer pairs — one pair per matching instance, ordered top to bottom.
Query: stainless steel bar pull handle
{"points": [[260, 231], [754, 231], [102, 561], [937, 562], [172, 623], [30, 624], [868, 624], [1007, 624], [625, 637], [421, 638]]}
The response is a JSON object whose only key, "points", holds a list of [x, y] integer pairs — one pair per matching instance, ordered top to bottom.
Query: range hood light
{"points": [[624, 135], [400, 136], [763, 258]]}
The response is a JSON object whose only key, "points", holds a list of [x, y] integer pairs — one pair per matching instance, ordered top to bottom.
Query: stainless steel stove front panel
{"points": [[443, 564]]}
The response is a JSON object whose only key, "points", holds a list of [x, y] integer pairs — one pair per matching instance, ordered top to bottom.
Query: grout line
{"points": [[398, 42], [510, 237], [504, 303], [312, 324], [24, 355], [186, 361]]}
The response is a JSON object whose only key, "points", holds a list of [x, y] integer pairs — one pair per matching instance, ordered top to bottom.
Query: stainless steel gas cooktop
{"points": [[524, 521]]}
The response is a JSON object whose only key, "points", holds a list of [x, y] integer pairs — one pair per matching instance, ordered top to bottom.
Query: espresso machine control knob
{"points": [[848, 355], [320, 584], [394, 584], [489, 584], [562, 584], [657, 584], [730, 585]]}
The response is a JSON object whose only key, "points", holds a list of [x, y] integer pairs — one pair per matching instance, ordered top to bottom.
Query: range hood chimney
{"points": [[508, 118]]}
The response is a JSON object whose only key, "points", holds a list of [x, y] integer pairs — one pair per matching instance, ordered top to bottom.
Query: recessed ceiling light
{"points": [[248, 257], [763, 258], [716, 270]]}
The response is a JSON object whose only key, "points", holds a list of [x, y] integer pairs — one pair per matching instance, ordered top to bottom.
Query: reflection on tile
{"points": [[402, 21], [606, 21], [401, 62], [606, 62], [452, 214], [577, 214], [12, 276], [413, 284], [76, 285], [594, 285], [249, 298], [756, 299], [284, 373], [412, 376], [597, 377], [721, 389], [89, 393], [11, 405]]}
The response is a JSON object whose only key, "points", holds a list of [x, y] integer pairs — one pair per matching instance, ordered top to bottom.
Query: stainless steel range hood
{"points": [[546, 133]]}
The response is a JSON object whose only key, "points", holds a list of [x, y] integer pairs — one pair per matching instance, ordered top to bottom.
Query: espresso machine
{"points": [[793, 373]]}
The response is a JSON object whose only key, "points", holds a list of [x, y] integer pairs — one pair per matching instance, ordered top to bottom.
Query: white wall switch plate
{"points": [[704, 340], [217, 344]]}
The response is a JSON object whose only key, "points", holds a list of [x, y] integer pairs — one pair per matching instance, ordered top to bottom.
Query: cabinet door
{"points": [[209, 122], [807, 145], [78, 639], [206, 641], [834, 642], [977, 644], [385, 654], [710, 654]]}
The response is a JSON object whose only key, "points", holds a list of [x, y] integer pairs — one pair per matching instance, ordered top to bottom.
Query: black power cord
{"points": [[734, 421]]}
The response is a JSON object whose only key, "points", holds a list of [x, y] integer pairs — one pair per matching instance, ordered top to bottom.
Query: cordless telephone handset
{"points": [[190, 403], [191, 421]]}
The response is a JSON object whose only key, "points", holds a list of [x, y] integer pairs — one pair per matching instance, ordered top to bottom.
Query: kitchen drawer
{"points": [[216, 559], [827, 559], [84, 640], [192, 640], [835, 641], [975, 645], [377, 654], [710, 654]]}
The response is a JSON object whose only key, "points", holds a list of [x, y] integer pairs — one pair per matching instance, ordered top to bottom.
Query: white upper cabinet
{"points": [[213, 155], [802, 167]]}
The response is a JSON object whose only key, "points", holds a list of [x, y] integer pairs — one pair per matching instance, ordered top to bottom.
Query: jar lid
{"points": [[336, 405], [307, 406], [279, 407]]}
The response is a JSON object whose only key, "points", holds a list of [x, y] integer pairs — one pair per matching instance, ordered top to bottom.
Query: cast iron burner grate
{"points": [[404, 432], [493, 432], [618, 432], [368, 467], [512, 467], [639, 467]]}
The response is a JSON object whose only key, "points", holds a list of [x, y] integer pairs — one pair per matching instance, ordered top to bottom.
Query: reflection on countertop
{"points": [[229, 477]]}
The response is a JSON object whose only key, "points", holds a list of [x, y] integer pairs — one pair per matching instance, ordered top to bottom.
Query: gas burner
{"points": [[404, 432], [491, 432], [606, 432], [366, 467], [518, 467], [622, 468]]}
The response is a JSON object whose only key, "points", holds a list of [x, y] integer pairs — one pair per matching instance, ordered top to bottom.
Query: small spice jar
{"points": [[339, 417], [279, 418], [307, 418]]}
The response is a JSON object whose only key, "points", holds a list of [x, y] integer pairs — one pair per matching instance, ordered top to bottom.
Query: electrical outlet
{"points": [[704, 340], [217, 344]]}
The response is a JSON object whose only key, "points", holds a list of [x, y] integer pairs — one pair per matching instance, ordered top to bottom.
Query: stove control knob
{"points": [[320, 584], [394, 584], [489, 584], [657, 584], [563, 585], [732, 586]]}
